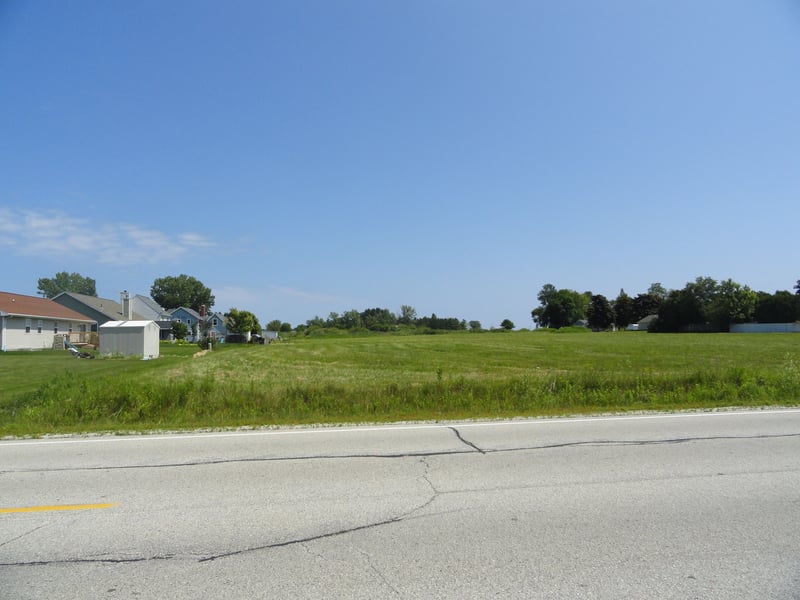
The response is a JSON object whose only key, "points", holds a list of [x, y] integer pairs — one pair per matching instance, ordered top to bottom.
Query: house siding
{"points": [[13, 334]]}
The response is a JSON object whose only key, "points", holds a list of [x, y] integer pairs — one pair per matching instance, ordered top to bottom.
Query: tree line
{"points": [[701, 305], [383, 319]]}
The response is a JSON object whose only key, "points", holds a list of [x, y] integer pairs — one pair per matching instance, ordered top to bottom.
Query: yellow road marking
{"points": [[25, 509]]}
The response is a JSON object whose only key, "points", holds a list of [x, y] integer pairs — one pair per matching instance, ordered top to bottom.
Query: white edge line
{"points": [[390, 427]]}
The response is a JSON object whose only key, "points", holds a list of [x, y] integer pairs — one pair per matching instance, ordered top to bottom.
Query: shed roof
{"points": [[20, 305], [127, 324]]}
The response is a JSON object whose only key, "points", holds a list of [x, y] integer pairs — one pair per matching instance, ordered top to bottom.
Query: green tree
{"points": [[67, 282], [797, 287], [183, 290], [658, 290], [731, 303], [645, 305], [623, 307], [780, 307], [560, 308], [689, 309], [600, 314], [408, 315], [378, 319], [350, 320], [242, 322], [315, 322], [507, 324], [274, 325], [475, 326], [286, 327], [179, 330]]}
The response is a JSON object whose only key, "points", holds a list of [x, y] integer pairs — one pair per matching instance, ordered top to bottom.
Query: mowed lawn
{"points": [[379, 378]]}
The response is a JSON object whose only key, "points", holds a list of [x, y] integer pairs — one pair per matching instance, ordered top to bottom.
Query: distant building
{"points": [[100, 310], [31, 323]]}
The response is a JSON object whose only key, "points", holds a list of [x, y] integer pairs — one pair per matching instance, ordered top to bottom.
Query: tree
{"points": [[67, 282], [797, 287], [183, 290], [658, 290], [731, 303], [645, 305], [623, 307], [780, 307], [560, 308], [689, 309], [678, 312], [408, 314], [600, 314], [378, 319], [350, 320], [242, 321], [507, 324], [274, 325], [475, 326], [179, 330]]}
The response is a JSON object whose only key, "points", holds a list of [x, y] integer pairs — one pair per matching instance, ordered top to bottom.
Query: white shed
{"points": [[129, 338]]}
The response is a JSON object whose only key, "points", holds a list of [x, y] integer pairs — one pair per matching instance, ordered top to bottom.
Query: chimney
{"points": [[125, 300]]}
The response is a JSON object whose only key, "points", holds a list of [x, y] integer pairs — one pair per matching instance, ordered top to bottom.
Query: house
{"points": [[149, 309], [100, 310], [189, 317], [215, 322], [31, 323], [643, 324], [217, 326], [129, 338]]}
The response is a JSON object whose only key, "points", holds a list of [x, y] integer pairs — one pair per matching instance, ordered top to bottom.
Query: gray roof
{"points": [[150, 303], [104, 306], [191, 311]]}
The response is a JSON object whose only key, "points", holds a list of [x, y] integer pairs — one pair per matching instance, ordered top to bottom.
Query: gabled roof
{"points": [[150, 303], [19, 305], [104, 306], [190, 311]]}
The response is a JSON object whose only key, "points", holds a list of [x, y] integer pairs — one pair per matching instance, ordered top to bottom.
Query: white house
{"points": [[31, 323], [130, 338]]}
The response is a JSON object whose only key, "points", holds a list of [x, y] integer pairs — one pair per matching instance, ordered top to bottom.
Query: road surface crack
{"points": [[465, 441], [421, 454], [27, 533]]}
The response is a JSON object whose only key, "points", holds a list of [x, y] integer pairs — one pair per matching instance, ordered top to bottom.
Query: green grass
{"points": [[397, 377]]}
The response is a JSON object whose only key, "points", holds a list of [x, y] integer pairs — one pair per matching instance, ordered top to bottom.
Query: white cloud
{"points": [[53, 233]]}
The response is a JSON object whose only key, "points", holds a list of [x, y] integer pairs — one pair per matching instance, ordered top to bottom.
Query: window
{"points": [[214, 322], [27, 325], [39, 326], [55, 326]]}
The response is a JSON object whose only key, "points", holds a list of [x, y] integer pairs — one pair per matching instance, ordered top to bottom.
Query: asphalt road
{"points": [[691, 505]]}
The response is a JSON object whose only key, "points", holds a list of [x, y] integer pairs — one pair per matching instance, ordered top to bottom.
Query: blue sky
{"points": [[311, 156]]}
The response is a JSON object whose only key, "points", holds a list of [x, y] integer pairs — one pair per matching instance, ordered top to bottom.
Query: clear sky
{"points": [[307, 156]]}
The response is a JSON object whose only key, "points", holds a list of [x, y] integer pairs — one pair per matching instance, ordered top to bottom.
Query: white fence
{"points": [[766, 328]]}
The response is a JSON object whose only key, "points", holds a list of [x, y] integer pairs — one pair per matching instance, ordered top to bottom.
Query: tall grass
{"points": [[387, 378]]}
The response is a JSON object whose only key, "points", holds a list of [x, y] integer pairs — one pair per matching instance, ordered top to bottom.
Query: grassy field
{"points": [[380, 378]]}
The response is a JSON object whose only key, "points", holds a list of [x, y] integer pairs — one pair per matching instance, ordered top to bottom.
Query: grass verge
{"points": [[383, 378]]}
